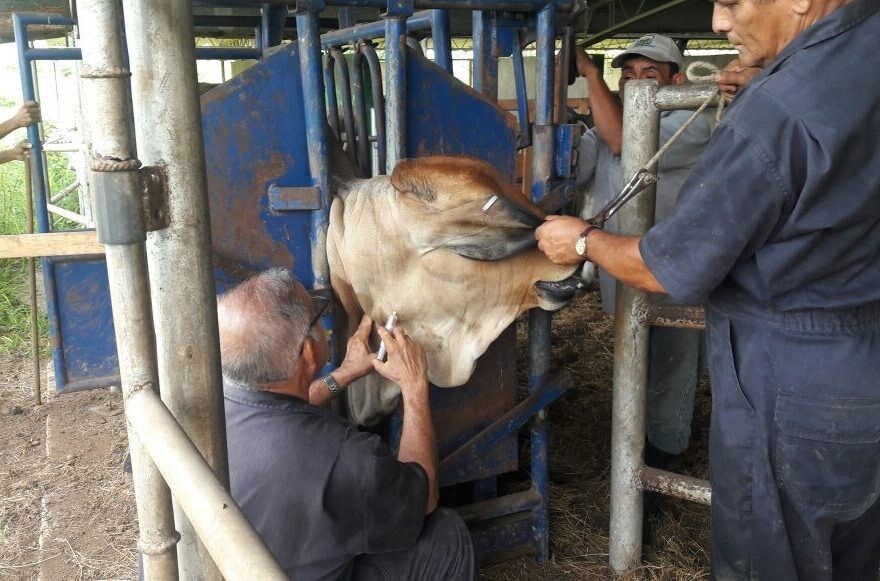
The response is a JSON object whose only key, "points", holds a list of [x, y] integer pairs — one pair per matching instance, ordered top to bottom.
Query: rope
{"points": [[653, 161]]}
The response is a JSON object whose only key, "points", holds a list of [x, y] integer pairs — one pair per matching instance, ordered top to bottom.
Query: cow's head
{"points": [[424, 243]]}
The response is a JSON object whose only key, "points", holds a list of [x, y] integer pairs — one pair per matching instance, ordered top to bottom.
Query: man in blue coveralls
{"points": [[778, 231]]}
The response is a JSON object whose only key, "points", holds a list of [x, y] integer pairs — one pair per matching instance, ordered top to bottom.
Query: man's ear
{"points": [[678, 78], [310, 360]]}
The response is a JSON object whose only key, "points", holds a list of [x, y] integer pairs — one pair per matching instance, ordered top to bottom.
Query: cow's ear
{"points": [[491, 245]]}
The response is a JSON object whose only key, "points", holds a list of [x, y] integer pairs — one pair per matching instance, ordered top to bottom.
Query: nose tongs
{"points": [[639, 182]]}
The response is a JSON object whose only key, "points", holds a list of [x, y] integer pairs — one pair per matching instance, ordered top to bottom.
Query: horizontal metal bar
{"points": [[512, 5], [47, 19], [417, 22], [202, 53], [52, 54], [690, 96], [62, 147], [72, 216], [651, 314], [507, 424], [676, 485], [500, 506]]}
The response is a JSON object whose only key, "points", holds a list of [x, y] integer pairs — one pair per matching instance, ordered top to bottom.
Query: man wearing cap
{"points": [[777, 230], [674, 364]]}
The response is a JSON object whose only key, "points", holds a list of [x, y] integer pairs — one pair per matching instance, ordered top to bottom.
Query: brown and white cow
{"points": [[419, 243]]}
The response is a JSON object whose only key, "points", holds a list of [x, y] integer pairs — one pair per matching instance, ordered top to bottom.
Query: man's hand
{"points": [[585, 65], [732, 78], [28, 113], [20, 152], [557, 237], [358, 357], [407, 365]]}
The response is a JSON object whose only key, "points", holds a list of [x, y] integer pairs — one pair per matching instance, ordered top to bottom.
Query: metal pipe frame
{"points": [[418, 22], [442, 39], [485, 39], [369, 52], [395, 87], [108, 93], [330, 95], [522, 98], [347, 112], [360, 113], [168, 125], [641, 131], [635, 314], [539, 319]]}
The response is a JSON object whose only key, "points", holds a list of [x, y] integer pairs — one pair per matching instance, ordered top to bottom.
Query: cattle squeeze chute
{"points": [[268, 178]]}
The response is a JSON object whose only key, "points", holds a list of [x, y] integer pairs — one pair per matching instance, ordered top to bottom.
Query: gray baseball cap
{"points": [[653, 46]]}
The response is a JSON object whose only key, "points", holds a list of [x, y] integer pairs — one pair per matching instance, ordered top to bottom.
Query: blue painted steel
{"points": [[512, 5], [346, 17], [272, 25], [372, 30], [442, 39], [202, 53], [485, 54], [395, 88], [378, 93], [330, 94], [522, 98], [359, 104], [347, 111], [564, 138], [289, 199], [539, 320], [85, 333], [460, 461]]}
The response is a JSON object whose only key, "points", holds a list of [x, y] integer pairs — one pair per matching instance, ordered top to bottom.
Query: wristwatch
{"points": [[580, 245], [331, 384]]}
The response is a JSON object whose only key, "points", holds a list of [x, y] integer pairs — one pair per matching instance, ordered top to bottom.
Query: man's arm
{"points": [[605, 108], [28, 113], [18, 153], [618, 255], [357, 363], [408, 367]]}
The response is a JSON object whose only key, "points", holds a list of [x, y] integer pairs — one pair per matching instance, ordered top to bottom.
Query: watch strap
{"points": [[331, 384]]}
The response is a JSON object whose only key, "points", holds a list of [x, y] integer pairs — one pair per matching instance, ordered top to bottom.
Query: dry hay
{"points": [[580, 456]]}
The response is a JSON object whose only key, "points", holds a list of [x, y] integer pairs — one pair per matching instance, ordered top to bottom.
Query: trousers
{"points": [[794, 446], [444, 551]]}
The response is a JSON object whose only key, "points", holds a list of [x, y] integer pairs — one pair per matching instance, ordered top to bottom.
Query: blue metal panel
{"points": [[255, 138], [83, 334]]}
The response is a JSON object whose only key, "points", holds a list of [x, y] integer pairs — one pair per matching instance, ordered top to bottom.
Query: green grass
{"points": [[14, 310]]}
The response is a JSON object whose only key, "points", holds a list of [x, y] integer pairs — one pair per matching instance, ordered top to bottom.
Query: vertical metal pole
{"points": [[272, 25], [309, 39], [442, 39], [485, 54], [103, 69], [395, 88], [28, 93], [330, 96], [522, 98], [378, 105], [347, 111], [360, 112], [168, 121], [641, 130], [32, 280], [539, 319]]}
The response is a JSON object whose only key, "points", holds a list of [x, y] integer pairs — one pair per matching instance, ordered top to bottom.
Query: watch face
{"points": [[581, 245]]}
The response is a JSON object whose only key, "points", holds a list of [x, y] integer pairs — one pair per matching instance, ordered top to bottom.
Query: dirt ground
{"points": [[67, 511]]}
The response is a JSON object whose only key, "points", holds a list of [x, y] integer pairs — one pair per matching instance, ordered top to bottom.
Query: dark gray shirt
{"points": [[783, 209], [318, 491]]}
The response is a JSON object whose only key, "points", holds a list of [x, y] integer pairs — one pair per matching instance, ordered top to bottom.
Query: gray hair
{"points": [[263, 323]]}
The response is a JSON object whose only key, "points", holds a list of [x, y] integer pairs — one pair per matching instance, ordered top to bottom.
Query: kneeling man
{"points": [[329, 501]]}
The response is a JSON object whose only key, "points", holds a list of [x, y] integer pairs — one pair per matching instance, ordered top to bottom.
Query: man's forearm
{"points": [[606, 112], [7, 127], [621, 258], [319, 395], [418, 443]]}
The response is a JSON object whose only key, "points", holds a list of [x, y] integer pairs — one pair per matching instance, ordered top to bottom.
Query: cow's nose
{"points": [[561, 291]]}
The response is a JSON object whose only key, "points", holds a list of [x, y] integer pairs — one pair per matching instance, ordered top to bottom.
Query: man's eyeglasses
{"points": [[322, 303]]}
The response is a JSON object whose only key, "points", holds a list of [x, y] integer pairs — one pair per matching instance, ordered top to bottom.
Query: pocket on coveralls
{"points": [[828, 451]]}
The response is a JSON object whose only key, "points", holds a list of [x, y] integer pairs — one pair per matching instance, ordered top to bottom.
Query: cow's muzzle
{"points": [[556, 294]]}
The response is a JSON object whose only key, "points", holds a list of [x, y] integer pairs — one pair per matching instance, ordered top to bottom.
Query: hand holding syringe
{"points": [[389, 324]]}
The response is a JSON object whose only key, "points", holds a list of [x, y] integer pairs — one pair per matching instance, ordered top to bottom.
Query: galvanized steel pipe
{"points": [[105, 83], [395, 88], [168, 124], [641, 131]]}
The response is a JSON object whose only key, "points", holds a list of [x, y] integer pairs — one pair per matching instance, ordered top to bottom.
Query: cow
{"points": [[430, 243]]}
